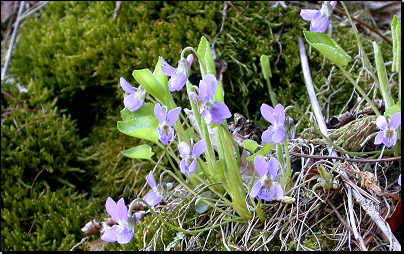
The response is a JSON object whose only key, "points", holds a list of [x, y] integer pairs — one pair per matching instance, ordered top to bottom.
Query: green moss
{"points": [[36, 138], [47, 221]]}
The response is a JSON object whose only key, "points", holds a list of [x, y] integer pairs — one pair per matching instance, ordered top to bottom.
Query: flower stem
{"points": [[197, 56], [360, 90], [194, 193], [192, 232]]}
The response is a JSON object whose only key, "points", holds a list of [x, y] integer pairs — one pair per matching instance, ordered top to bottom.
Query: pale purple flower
{"points": [[319, 18], [179, 76], [134, 97], [212, 111], [166, 120], [276, 132], [388, 135], [188, 163], [399, 180], [267, 187], [158, 191], [118, 233]]}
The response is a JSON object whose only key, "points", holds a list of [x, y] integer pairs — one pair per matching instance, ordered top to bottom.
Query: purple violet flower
{"points": [[319, 18], [179, 76], [134, 97], [212, 111], [166, 120], [276, 133], [388, 135], [188, 163], [399, 180], [266, 188], [154, 197], [118, 233]]}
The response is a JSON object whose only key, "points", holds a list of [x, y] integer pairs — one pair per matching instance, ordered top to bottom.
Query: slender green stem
{"points": [[197, 56], [365, 57], [360, 90], [279, 154], [169, 159], [288, 181], [194, 193], [225, 200], [257, 207], [192, 232]]}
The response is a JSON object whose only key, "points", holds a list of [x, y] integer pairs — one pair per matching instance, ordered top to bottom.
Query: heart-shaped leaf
{"points": [[328, 47], [147, 109], [391, 111], [140, 127], [250, 145], [263, 151], [139, 152], [200, 206]]}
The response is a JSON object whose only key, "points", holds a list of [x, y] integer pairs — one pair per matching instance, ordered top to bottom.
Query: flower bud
{"points": [[184, 67], [288, 200]]}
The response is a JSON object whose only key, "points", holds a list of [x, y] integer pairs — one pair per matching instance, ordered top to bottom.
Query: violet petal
{"points": [[308, 14], [211, 85], [127, 88], [160, 113], [268, 113], [172, 115], [395, 121], [381, 122], [379, 138], [199, 148], [184, 149], [261, 165], [273, 167], [150, 180], [255, 190], [278, 191], [152, 198], [110, 234], [124, 236]]}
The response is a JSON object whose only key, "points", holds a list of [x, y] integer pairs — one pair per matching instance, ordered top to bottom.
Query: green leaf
{"points": [[396, 34], [328, 47], [206, 57], [266, 68], [158, 74], [382, 75], [150, 83], [219, 93], [147, 109], [394, 109], [141, 127], [250, 145], [263, 151], [139, 152], [219, 172], [200, 206], [177, 238]]}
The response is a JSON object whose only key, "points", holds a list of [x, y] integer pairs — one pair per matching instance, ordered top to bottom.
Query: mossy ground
{"points": [[70, 57]]}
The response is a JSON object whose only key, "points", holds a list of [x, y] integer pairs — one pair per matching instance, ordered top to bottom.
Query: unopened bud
{"points": [[288, 200], [91, 228]]}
